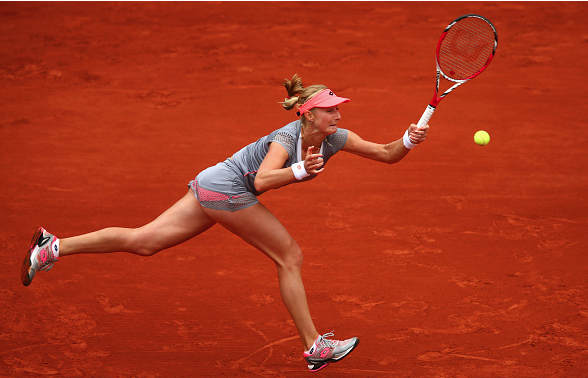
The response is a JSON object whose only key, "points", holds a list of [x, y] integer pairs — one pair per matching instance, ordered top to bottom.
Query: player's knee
{"points": [[142, 246], [145, 250], [293, 259]]}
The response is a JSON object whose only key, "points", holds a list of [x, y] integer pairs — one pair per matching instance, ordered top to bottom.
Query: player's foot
{"points": [[41, 255], [325, 351]]}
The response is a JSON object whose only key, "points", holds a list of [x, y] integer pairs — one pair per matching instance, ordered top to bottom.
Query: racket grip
{"points": [[426, 116]]}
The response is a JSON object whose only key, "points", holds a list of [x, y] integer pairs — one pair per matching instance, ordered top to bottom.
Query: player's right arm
{"points": [[386, 153]]}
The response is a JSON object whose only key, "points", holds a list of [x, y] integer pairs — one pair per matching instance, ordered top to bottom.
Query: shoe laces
{"points": [[324, 341]]}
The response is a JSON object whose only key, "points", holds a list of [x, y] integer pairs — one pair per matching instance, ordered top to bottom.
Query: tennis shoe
{"points": [[41, 255], [325, 351]]}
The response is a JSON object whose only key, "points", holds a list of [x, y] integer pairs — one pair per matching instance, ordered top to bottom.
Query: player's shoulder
{"points": [[292, 128], [290, 132], [287, 136]]}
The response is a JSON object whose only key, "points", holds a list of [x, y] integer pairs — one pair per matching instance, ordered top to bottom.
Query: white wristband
{"points": [[406, 140], [299, 170]]}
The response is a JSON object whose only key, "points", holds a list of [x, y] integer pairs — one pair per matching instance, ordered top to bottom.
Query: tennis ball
{"points": [[482, 138]]}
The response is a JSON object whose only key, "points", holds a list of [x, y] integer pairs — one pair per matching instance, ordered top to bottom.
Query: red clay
{"points": [[461, 261]]}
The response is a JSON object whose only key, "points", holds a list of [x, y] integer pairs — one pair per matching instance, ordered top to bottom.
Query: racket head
{"points": [[466, 48]]}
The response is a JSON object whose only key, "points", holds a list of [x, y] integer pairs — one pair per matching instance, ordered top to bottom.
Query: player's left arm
{"points": [[386, 153], [271, 175]]}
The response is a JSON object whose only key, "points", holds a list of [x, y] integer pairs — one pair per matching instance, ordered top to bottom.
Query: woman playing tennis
{"points": [[227, 194]]}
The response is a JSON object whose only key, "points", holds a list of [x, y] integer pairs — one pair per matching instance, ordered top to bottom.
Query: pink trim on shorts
{"points": [[209, 195], [220, 201]]}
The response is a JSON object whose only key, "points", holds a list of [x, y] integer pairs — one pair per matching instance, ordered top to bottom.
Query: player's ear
{"points": [[309, 116]]}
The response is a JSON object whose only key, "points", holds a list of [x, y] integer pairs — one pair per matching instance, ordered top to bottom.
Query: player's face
{"points": [[326, 119]]}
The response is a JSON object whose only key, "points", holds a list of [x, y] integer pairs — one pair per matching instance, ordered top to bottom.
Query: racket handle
{"points": [[426, 116]]}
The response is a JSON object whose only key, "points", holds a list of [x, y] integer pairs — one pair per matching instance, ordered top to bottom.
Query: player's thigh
{"points": [[181, 222], [260, 228]]}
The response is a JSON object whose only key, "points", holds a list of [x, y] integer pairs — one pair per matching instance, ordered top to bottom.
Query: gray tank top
{"points": [[249, 158]]}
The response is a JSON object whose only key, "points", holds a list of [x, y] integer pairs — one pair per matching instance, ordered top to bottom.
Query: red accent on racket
{"points": [[465, 49]]}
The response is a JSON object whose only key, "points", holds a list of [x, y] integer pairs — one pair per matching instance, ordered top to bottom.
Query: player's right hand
{"points": [[417, 135]]}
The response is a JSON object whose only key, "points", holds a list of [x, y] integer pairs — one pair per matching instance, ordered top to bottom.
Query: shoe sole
{"points": [[26, 264], [332, 360], [320, 368]]}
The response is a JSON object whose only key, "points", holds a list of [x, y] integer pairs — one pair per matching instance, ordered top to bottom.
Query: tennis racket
{"points": [[465, 49]]}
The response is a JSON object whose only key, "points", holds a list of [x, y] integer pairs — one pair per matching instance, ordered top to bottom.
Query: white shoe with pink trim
{"points": [[42, 253], [325, 351]]}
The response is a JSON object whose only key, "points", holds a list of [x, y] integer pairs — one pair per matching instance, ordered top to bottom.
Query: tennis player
{"points": [[227, 194]]}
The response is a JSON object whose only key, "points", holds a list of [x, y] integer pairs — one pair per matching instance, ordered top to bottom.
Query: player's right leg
{"points": [[181, 222], [260, 228]]}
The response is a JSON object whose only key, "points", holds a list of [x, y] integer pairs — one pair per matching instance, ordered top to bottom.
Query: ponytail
{"points": [[297, 94]]}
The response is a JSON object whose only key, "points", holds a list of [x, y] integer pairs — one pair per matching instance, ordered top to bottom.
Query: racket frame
{"points": [[428, 113]]}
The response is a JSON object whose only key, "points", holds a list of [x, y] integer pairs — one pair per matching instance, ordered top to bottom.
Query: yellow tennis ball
{"points": [[482, 138]]}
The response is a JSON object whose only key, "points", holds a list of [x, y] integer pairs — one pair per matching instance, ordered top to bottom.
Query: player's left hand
{"points": [[417, 135], [313, 162]]}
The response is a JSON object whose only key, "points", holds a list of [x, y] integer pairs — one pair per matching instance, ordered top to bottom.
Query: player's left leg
{"points": [[181, 222]]}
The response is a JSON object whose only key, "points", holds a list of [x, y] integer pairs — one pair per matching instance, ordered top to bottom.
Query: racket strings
{"points": [[466, 48]]}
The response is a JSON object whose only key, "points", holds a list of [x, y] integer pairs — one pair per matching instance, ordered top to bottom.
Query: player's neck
{"points": [[311, 139]]}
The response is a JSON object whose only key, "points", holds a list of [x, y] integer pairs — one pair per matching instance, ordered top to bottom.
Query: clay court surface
{"points": [[460, 262]]}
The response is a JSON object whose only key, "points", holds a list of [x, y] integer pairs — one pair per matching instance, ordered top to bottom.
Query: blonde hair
{"points": [[297, 93]]}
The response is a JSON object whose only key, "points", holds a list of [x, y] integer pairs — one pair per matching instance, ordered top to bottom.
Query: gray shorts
{"points": [[220, 187]]}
